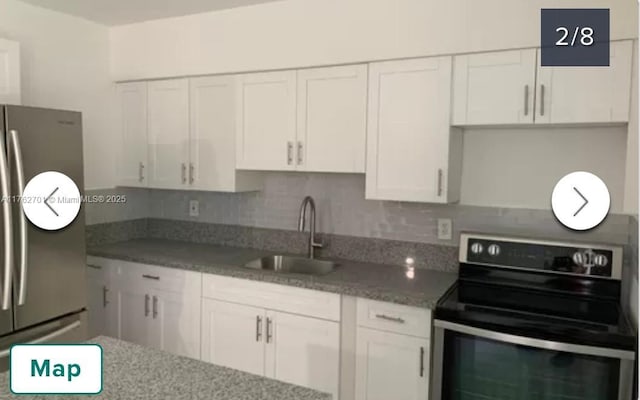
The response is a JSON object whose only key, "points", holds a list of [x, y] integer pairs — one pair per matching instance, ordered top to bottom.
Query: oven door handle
{"points": [[537, 343]]}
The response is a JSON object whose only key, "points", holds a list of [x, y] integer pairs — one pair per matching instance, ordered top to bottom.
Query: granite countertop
{"points": [[372, 281], [136, 372]]}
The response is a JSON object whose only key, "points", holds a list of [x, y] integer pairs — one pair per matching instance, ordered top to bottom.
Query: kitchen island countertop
{"points": [[136, 372]]}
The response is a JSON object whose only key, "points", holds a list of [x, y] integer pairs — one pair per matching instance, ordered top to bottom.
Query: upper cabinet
{"points": [[510, 87], [494, 88], [10, 92], [586, 94], [132, 117], [332, 119], [310, 120], [266, 121], [168, 124], [212, 139], [412, 153]]}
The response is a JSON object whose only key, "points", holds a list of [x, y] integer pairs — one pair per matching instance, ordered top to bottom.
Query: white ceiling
{"points": [[119, 12]]}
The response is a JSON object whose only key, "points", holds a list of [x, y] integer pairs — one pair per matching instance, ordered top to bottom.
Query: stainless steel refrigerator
{"points": [[42, 273]]}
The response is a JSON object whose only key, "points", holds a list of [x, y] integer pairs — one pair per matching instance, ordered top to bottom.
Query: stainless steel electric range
{"points": [[533, 320]]}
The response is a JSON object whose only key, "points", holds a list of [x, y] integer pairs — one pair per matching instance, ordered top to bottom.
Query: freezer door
{"points": [[49, 140], [6, 316], [71, 329]]}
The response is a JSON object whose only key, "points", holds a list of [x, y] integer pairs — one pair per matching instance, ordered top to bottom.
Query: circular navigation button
{"points": [[51, 200], [580, 200]]}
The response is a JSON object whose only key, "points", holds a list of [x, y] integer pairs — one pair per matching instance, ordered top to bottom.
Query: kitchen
{"points": [[206, 126]]}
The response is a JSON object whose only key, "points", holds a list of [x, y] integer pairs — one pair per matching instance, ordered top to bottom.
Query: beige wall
{"points": [[298, 33], [65, 64]]}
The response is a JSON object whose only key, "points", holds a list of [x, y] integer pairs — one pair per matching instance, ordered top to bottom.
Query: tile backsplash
{"points": [[343, 210]]}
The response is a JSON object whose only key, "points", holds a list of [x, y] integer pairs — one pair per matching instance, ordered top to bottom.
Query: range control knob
{"points": [[476, 248], [494, 250], [578, 258], [601, 260]]}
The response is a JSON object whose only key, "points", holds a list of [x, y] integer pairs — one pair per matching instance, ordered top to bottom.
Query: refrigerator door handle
{"points": [[22, 221], [8, 227], [47, 337]]}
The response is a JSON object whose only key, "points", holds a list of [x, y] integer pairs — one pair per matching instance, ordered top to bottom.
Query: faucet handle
{"points": [[317, 245]]}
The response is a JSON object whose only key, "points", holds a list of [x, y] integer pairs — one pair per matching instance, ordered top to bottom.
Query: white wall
{"points": [[297, 33], [65, 64], [536, 158], [631, 177]]}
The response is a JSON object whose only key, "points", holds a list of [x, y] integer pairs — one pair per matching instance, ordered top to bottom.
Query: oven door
{"points": [[472, 364]]}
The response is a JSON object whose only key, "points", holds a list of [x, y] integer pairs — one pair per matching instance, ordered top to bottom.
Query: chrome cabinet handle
{"points": [[526, 100], [541, 100], [300, 148], [289, 153], [141, 172], [184, 173], [191, 173], [439, 182], [22, 220], [8, 228], [94, 266], [155, 278], [105, 301], [146, 305], [155, 307], [388, 318], [258, 328], [269, 332], [421, 362]]}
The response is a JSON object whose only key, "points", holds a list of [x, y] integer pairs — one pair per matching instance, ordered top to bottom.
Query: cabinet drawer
{"points": [[153, 276], [275, 297], [394, 318]]}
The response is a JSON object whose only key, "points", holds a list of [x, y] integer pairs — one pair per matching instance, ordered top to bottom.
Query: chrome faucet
{"points": [[312, 224]]}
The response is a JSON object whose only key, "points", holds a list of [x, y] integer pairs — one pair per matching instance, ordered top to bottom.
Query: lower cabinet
{"points": [[98, 305], [291, 348], [391, 366]]}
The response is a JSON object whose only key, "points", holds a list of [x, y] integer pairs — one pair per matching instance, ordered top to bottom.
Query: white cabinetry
{"points": [[511, 87], [10, 88], [494, 88], [586, 94], [132, 118], [332, 119], [306, 120], [266, 121], [168, 133], [212, 140], [412, 153], [99, 306], [153, 306], [291, 341], [392, 351]]}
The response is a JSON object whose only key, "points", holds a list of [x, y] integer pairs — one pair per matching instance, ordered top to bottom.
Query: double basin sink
{"points": [[292, 264]]}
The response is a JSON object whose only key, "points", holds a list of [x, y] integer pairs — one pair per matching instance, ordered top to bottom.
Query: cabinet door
{"points": [[10, 88], [494, 88], [586, 94], [132, 117], [332, 119], [266, 121], [408, 130], [168, 133], [213, 133], [97, 300], [134, 314], [176, 321], [233, 336], [303, 351], [391, 366]]}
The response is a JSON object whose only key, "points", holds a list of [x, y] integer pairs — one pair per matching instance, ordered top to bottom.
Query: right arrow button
{"points": [[571, 196]]}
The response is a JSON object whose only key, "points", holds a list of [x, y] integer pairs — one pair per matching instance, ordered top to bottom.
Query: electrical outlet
{"points": [[194, 208], [444, 228]]}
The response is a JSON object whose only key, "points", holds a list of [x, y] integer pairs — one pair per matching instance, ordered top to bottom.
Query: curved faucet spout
{"points": [[308, 200]]}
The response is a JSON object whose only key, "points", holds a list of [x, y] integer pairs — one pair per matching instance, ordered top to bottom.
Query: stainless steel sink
{"points": [[296, 265]]}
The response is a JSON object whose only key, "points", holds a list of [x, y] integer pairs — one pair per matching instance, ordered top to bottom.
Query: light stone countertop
{"points": [[358, 279], [133, 372]]}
